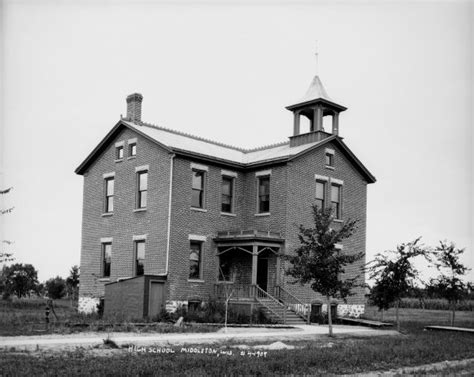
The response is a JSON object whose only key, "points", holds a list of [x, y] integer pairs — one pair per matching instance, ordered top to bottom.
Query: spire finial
{"points": [[316, 55]]}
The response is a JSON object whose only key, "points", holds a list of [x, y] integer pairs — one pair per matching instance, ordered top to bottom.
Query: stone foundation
{"points": [[87, 305], [172, 306], [343, 310]]}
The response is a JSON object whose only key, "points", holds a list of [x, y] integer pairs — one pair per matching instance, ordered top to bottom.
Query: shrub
{"points": [[56, 288]]}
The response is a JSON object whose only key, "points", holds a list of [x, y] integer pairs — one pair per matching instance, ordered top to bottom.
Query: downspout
{"points": [[169, 216]]}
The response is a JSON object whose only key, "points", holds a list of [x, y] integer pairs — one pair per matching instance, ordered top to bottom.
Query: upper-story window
{"points": [[132, 149], [119, 152], [329, 157], [142, 189], [320, 193], [109, 194], [263, 194], [197, 199], [336, 200], [227, 203], [139, 257], [106, 258]]}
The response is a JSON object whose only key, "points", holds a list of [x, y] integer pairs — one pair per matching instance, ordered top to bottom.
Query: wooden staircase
{"points": [[277, 310]]}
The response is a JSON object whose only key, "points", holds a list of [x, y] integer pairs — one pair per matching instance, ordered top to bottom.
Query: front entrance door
{"points": [[262, 273], [155, 303]]}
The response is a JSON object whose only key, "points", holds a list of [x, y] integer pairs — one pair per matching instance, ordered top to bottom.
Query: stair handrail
{"points": [[265, 294], [293, 301]]}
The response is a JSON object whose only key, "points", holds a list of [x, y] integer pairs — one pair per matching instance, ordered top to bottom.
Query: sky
{"points": [[225, 71]]}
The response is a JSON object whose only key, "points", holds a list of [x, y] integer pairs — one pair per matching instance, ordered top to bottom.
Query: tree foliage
{"points": [[4, 255], [318, 262], [395, 274], [20, 279], [72, 282], [450, 284], [56, 288]]}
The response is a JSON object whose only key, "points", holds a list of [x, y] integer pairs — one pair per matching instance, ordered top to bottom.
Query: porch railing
{"points": [[225, 290], [270, 303], [293, 303]]}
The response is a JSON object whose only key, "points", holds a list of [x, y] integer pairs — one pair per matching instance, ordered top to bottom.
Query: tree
{"points": [[6, 256], [318, 262], [395, 274], [20, 279], [72, 283], [449, 283], [56, 288]]}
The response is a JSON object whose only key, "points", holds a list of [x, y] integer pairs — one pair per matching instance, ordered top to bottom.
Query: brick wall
{"points": [[292, 191], [301, 194], [124, 223]]}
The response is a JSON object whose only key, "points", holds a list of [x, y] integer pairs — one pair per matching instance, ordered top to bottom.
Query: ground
{"points": [[273, 352]]}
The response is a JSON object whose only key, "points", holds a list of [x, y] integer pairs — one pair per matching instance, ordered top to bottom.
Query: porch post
{"points": [[254, 264], [278, 266]]}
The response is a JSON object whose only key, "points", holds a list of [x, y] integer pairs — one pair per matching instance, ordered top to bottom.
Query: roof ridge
{"points": [[141, 123], [269, 146], [244, 150]]}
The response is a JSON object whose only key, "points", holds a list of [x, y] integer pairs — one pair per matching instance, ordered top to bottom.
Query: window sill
{"points": [[131, 157], [119, 160], [329, 167], [198, 209], [139, 210], [107, 214], [228, 214], [262, 214], [104, 280], [195, 281]]}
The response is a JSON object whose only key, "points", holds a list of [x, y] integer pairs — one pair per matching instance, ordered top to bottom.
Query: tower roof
{"points": [[315, 91]]}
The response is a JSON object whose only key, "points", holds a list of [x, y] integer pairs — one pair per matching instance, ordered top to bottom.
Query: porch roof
{"points": [[248, 236]]}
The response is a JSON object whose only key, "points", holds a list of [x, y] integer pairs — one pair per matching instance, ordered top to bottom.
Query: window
{"points": [[132, 149], [119, 152], [329, 159], [142, 184], [109, 194], [227, 194], [264, 194], [320, 194], [336, 196], [197, 199], [139, 258], [106, 259], [195, 260]]}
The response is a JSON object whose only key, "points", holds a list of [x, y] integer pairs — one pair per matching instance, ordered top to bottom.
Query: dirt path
{"points": [[90, 340]]}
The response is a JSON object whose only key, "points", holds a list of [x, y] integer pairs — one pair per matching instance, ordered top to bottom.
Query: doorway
{"points": [[262, 273], [155, 302]]}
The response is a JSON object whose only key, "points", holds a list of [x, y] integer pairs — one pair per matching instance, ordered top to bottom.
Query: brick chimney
{"points": [[134, 107]]}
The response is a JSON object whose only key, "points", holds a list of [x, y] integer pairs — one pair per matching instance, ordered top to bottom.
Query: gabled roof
{"points": [[193, 146]]}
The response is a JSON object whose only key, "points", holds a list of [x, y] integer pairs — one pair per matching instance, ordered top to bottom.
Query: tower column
{"points": [[296, 123], [335, 123], [317, 124]]}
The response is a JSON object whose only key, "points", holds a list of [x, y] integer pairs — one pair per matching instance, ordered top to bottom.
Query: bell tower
{"points": [[315, 105]]}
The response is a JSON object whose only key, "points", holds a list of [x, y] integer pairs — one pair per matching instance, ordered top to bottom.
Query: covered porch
{"points": [[249, 262], [249, 268]]}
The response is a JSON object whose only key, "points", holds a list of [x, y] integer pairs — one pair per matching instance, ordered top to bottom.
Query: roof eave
{"points": [[323, 100], [99, 148]]}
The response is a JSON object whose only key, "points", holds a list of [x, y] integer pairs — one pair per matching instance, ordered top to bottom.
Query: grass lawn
{"points": [[27, 317], [340, 355]]}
